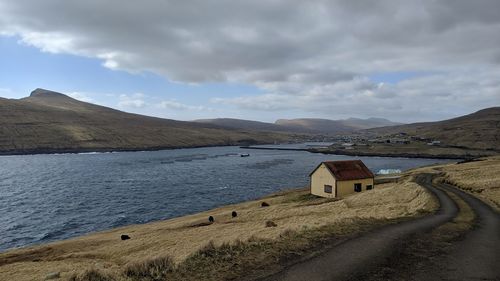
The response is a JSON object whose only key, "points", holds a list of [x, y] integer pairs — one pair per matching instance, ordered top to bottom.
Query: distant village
{"points": [[348, 142]]}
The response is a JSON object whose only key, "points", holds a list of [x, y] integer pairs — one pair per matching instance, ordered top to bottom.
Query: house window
{"points": [[357, 187], [369, 187], [328, 188]]}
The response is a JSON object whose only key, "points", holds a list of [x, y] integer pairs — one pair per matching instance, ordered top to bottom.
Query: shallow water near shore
{"points": [[51, 197]]}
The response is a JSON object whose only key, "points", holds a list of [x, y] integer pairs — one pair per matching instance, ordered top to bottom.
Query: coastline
{"points": [[48, 151], [370, 154], [292, 211], [195, 246]]}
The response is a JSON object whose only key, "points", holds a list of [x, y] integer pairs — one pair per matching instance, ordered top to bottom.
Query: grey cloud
{"points": [[297, 51], [426, 98]]}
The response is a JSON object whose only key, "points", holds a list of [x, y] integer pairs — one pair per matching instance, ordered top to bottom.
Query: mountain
{"points": [[48, 121], [368, 123], [245, 124], [302, 126], [327, 126], [479, 130]]}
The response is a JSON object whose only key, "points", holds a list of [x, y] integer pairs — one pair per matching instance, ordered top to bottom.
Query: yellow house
{"points": [[333, 179]]}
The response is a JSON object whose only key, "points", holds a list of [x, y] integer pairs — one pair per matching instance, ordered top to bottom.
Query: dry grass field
{"points": [[481, 178], [184, 242]]}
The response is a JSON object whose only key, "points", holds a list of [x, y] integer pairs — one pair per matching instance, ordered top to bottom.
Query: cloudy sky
{"points": [[261, 60]]}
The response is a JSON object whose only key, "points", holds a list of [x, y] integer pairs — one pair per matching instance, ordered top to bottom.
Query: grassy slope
{"points": [[52, 122], [249, 125], [302, 126], [327, 126], [479, 130], [471, 136], [481, 178], [300, 218]]}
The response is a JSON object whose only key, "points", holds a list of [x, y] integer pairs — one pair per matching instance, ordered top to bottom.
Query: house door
{"points": [[357, 187]]}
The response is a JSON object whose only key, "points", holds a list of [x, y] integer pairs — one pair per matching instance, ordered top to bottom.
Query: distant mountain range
{"points": [[48, 121], [304, 125], [327, 126], [477, 130]]}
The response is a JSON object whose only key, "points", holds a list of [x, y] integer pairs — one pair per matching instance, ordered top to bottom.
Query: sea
{"points": [[50, 197]]}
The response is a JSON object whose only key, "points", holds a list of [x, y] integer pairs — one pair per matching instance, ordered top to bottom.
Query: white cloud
{"points": [[52, 42], [313, 56], [5, 92], [81, 96], [132, 101], [175, 105]]}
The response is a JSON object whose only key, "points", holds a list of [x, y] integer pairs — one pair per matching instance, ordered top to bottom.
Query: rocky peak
{"points": [[38, 92]]}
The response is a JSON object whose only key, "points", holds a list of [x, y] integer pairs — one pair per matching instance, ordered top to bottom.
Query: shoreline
{"points": [[51, 151], [368, 154], [379, 179], [271, 195], [291, 212]]}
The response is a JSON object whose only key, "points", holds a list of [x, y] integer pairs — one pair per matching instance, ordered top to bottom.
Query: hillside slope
{"points": [[52, 122], [248, 125], [302, 126], [328, 126], [479, 130]]}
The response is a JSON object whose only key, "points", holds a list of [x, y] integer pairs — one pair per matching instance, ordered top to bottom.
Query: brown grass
{"points": [[481, 178], [245, 260], [155, 269], [92, 275]]}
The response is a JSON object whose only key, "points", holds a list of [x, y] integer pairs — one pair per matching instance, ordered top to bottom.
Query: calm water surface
{"points": [[49, 197]]}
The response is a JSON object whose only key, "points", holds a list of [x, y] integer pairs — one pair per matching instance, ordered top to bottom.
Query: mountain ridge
{"points": [[49, 122], [302, 125]]}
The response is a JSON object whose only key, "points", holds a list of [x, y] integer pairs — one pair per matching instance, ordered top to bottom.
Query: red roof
{"points": [[347, 170]]}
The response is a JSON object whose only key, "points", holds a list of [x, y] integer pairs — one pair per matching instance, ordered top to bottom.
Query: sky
{"points": [[406, 61]]}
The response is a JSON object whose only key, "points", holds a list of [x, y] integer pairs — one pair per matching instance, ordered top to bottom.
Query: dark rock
{"points": [[264, 204], [234, 214], [211, 219], [271, 224], [125, 237]]}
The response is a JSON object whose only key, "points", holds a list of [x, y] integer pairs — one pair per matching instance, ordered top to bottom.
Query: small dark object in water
{"points": [[244, 155], [264, 204], [234, 214], [211, 219], [271, 224], [125, 237]]}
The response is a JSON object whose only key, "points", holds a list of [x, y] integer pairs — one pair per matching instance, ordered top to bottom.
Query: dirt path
{"points": [[477, 256], [359, 258]]}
